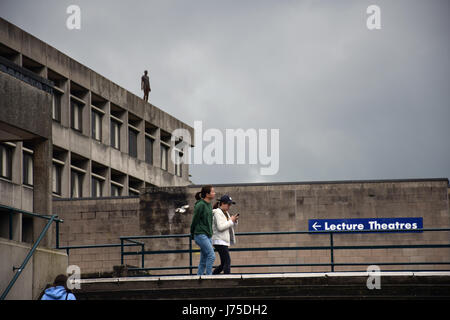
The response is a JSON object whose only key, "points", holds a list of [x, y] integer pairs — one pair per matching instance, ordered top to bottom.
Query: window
{"points": [[56, 107], [76, 116], [96, 126], [115, 134], [132, 143], [149, 150], [164, 156], [5, 162], [178, 163], [27, 169], [56, 179], [77, 184], [97, 187], [116, 191], [133, 192], [27, 229]]}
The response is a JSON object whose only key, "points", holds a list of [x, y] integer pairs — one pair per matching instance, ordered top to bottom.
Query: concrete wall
{"points": [[71, 74], [25, 107], [25, 111], [265, 207], [97, 221], [42, 268]]}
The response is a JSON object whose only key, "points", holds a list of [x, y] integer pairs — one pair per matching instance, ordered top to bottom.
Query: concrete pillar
{"points": [[65, 104], [86, 121], [106, 125], [124, 133], [141, 141], [157, 149], [170, 162], [17, 164], [65, 176], [87, 180], [42, 191]]}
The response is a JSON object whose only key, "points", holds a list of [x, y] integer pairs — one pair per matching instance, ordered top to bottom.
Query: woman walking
{"points": [[201, 229], [223, 232]]}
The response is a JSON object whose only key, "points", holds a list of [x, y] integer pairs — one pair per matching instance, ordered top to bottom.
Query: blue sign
{"points": [[374, 224]]}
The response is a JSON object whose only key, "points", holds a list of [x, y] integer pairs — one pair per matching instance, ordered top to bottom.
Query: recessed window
{"points": [[9, 53], [32, 65], [56, 107], [76, 115], [97, 125], [115, 134], [132, 143], [149, 150], [164, 156], [5, 162], [178, 163], [27, 169], [56, 179], [77, 184], [134, 186], [97, 187], [116, 191], [133, 192], [27, 229]]}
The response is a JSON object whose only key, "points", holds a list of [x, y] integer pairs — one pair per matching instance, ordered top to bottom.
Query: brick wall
{"points": [[271, 207], [100, 221]]}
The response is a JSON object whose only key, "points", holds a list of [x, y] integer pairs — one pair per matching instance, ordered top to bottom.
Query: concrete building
{"points": [[68, 132], [106, 141]]}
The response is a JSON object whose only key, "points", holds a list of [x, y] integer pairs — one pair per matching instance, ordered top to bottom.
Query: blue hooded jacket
{"points": [[57, 293]]}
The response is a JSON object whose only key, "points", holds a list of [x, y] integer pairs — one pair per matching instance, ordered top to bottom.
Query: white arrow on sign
{"points": [[315, 226]]}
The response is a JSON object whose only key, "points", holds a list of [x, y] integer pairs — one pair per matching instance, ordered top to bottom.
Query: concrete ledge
{"points": [[319, 182], [268, 276], [337, 285]]}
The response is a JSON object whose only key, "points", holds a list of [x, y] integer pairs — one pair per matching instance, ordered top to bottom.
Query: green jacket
{"points": [[202, 219]]}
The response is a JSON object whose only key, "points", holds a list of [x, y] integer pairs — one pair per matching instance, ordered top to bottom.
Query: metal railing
{"points": [[332, 247], [19, 270]]}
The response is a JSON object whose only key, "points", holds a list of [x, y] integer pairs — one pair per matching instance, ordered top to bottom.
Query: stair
{"points": [[336, 285]]}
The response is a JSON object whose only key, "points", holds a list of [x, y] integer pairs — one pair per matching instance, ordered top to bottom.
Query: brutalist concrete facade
{"points": [[25, 123], [68, 132], [106, 141]]}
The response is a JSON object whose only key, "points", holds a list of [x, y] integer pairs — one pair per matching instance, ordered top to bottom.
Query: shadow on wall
{"points": [[157, 211]]}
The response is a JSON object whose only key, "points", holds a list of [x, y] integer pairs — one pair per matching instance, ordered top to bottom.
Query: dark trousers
{"points": [[225, 260]]}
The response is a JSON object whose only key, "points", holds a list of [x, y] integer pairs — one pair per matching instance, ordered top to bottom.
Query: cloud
{"points": [[350, 103]]}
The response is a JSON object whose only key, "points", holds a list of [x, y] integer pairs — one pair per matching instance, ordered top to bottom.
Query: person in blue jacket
{"points": [[59, 290]]}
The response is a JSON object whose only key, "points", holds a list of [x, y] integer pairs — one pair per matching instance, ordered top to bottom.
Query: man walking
{"points": [[145, 85]]}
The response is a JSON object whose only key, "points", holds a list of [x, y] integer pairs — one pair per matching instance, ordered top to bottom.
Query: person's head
{"points": [[145, 72], [207, 193], [224, 203], [60, 280]]}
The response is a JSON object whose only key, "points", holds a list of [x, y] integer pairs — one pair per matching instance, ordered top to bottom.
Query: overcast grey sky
{"points": [[350, 103]]}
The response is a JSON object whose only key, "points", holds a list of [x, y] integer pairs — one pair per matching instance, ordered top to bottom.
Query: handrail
{"points": [[31, 214], [93, 246], [332, 247], [28, 257]]}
